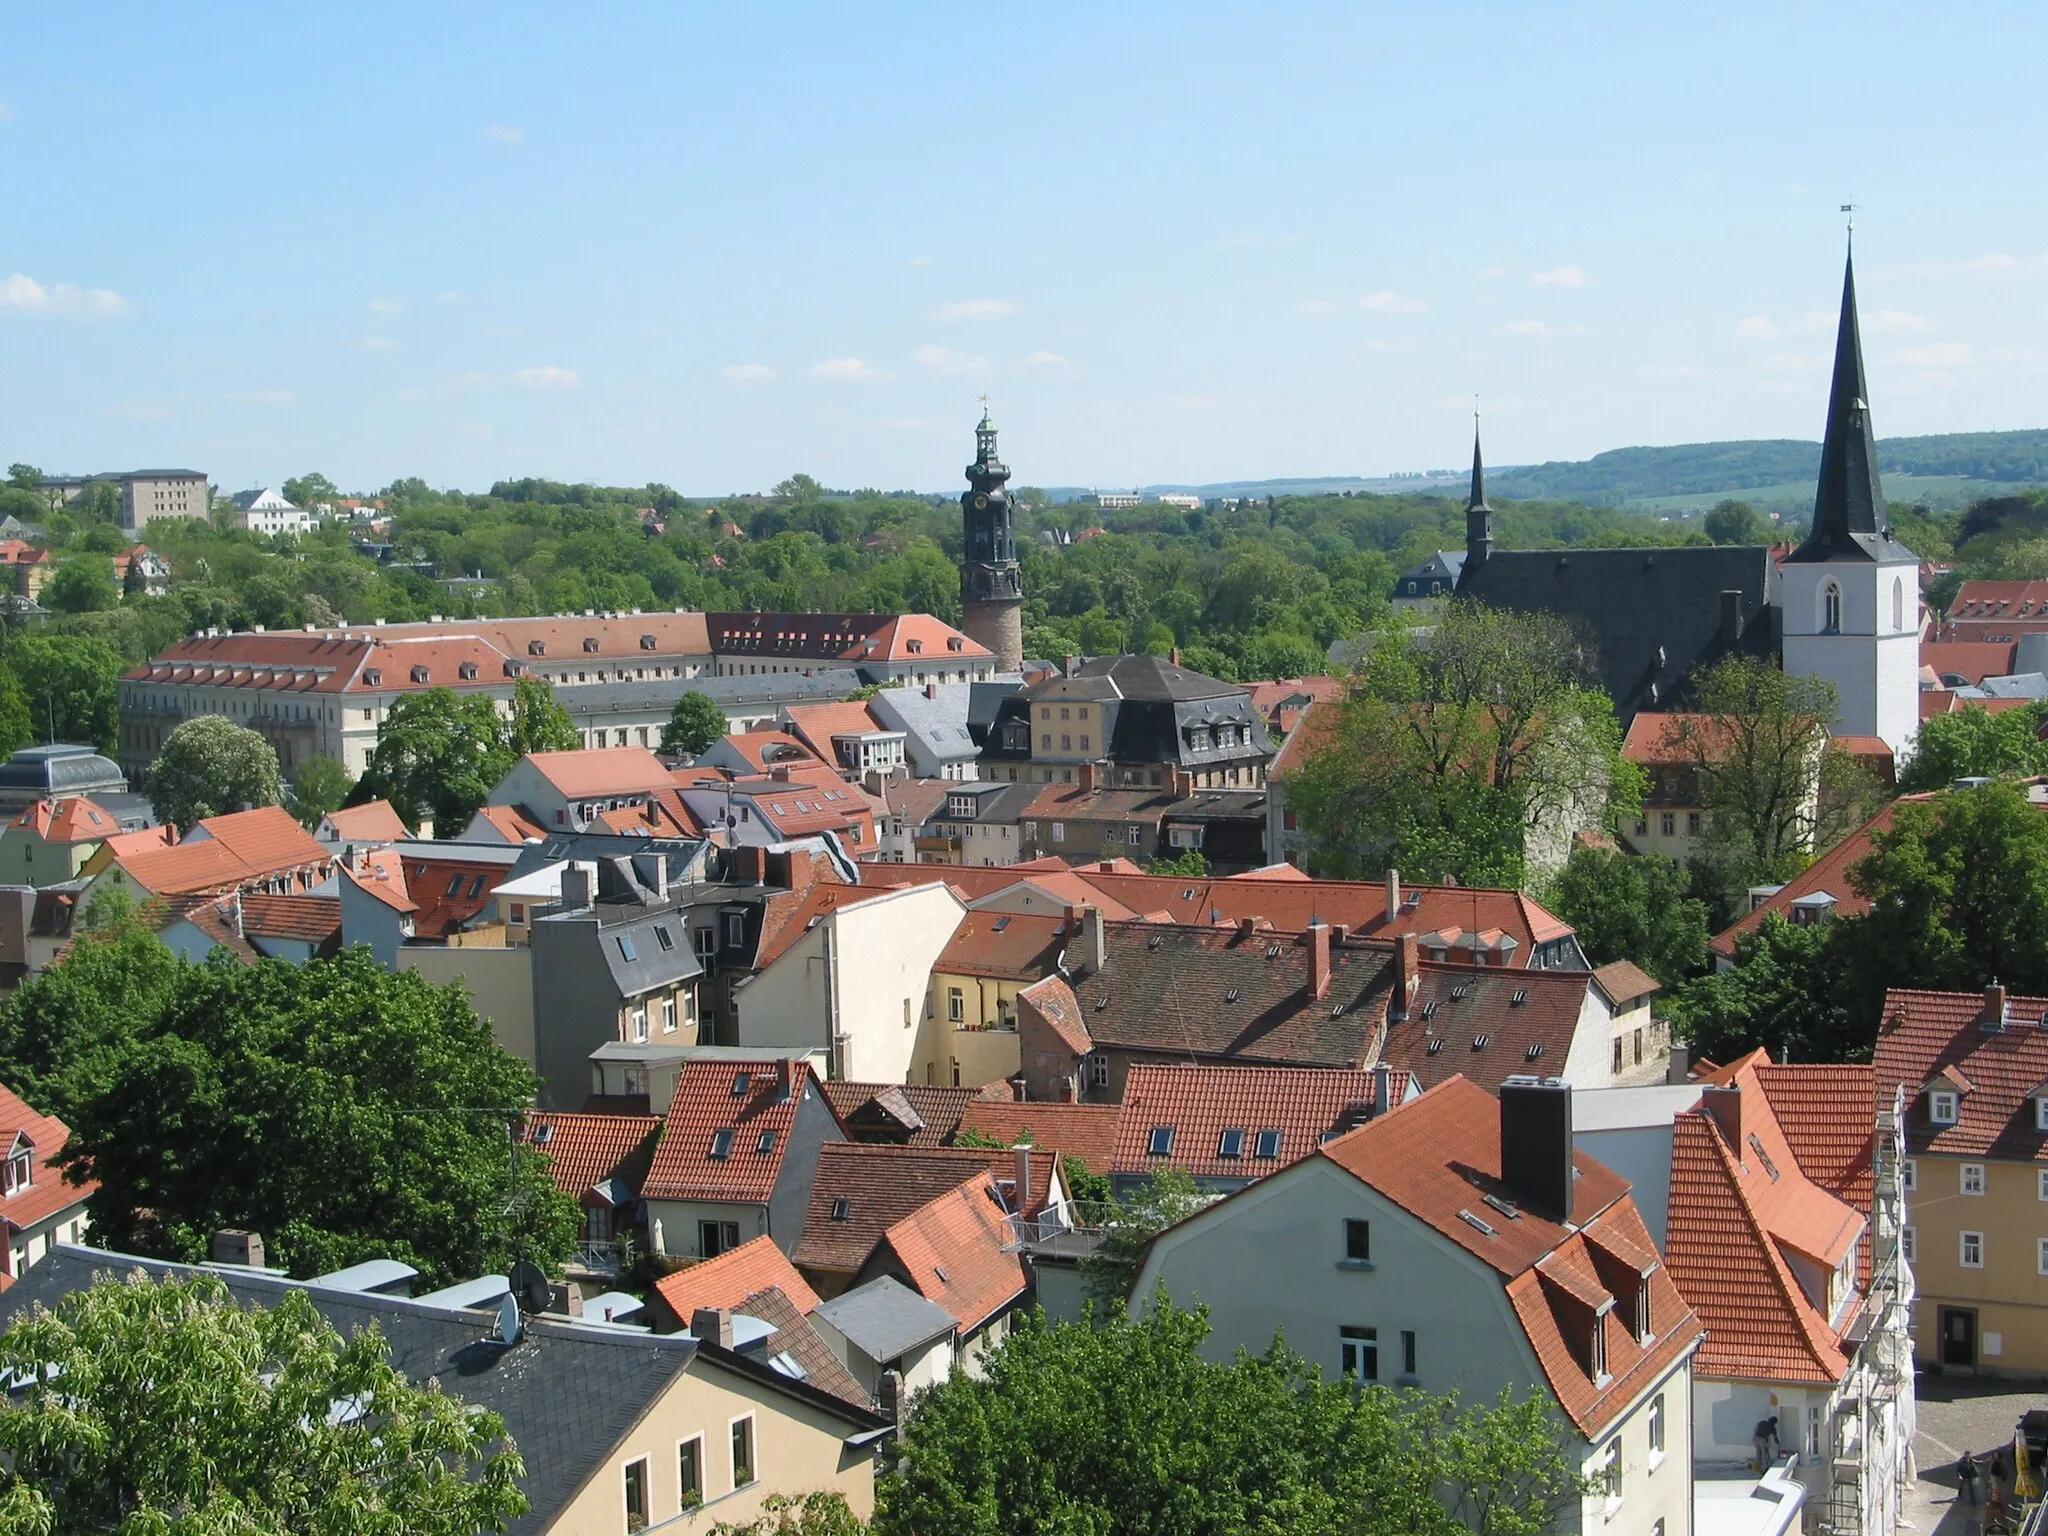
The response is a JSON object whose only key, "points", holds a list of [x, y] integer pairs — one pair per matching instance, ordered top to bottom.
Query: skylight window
{"points": [[663, 938], [626, 950], [1230, 996], [1521, 996], [1481, 1042], [740, 1083], [721, 1142], [1160, 1143], [1231, 1143], [1267, 1146], [1763, 1157], [842, 1207]]}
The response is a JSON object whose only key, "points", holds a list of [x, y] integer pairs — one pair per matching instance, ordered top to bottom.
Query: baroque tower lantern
{"points": [[991, 581]]}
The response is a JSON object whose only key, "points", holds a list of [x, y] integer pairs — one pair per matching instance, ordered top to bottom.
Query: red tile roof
{"points": [[1972, 660], [816, 724], [1314, 729], [1671, 740], [763, 751], [594, 771], [71, 819], [374, 821], [509, 822], [268, 837], [223, 852], [1829, 872], [381, 873], [447, 891], [815, 904], [311, 919], [1009, 947], [1054, 1001], [1924, 1035], [705, 1104], [1305, 1105], [897, 1114], [1085, 1131], [584, 1150], [1441, 1154], [880, 1186], [48, 1191], [956, 1251], [732, 1277]]}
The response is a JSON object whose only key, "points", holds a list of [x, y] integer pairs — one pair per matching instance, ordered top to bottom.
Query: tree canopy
{"points": [[539, 723], [693, 725], [1975, 743], [438, 754], [210, 766], [321, 785], [1635, 907], [162, 1406]]}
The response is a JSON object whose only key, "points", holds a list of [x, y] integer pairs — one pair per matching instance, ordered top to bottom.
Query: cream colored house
{"points": [[853, 970], [970, 1009], [1457, 1243]]}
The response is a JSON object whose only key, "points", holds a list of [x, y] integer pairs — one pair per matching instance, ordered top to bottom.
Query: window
{"points": [[1831, 609], [1045, 741], [1084, 742], [1066, 743], [1667, 823], [1692, 823], [1059, 831], [1136, 835], [454, 887], [518, 914], [735, 929], [661, 937], [626, 950], [956, 1005], [668, 1015], [639, 1017], [1617, 1055], [1098, 1070], [741, 1083], [1941, 1107], [2041, 1113], [721, 1142], [1160, 1143], [1230, 1143], [766, 1144], [1267, 1147], [20, 1172], [1909, 1176], [1973, 1178], [842, 1207], [716, 1237], [1357, 1240], [1908, 1244], [1971, 1255], [2041, 1256], [1407, 1351], [1359, 1353], [1657, 1426], [1813, 1431], [743, 1468], [690, 1471], [1608, 1478], [636, 1495]]}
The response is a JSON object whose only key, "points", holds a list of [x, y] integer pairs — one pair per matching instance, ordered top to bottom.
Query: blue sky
{"points": [[714, 245]]}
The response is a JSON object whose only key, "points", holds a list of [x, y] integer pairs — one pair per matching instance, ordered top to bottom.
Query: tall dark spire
{"points": [[1478, 515], [1849, 515]]}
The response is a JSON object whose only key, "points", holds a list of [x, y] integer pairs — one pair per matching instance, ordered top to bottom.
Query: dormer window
{"points": [[647, 642], [590, 643], [953, 643], [536, 647], [915, 647], [467, 671], [419, 674], [372, 676], [1942, 1105], [2041, 1113], [20, 1169]]}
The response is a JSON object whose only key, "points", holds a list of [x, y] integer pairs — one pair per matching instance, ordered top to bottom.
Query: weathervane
{"points": [[1850, 209]]}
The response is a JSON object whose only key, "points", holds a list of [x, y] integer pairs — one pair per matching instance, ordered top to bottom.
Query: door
{"points": [[1959, 1337]]}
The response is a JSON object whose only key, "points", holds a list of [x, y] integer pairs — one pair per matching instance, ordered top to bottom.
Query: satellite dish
{"points": [[530, 1286], [509, 1325]]}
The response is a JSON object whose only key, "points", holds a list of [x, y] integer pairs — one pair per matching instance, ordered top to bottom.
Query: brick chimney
{"points": [[1087, 776], [750, 865], [1393, 895], [1247, 926], [1318, 960], [1407, 976], [1994, 1006], [785, 1080], [1724, 1103], [1023, 1160], [712, 1325]]}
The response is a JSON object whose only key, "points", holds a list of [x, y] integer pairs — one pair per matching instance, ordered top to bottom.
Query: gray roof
{"points": [[2018, 685], [765, 688], [949, 721], [60, 769], [430, 849], [684, 855], [886, 1318]]}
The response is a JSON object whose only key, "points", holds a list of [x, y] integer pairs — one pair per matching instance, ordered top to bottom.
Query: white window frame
{"points": [[668, 1014], [1943, 1106], [2041, 1113], [1909, 1176], [1971, 1178], [2041, 1183], [1909, 1244], [1966, 1244], [2041, 1255], [1354, 1354], [1813, 1427], [1656, 1429], [698, 1441], [753, 1450], [1610, 1476]]}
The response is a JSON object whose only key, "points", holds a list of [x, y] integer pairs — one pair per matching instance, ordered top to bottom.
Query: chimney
{"points": [[1731, 617], [1174, 655], [1069, 665], [931, 690], [780, 773], [1087, 780], [750, 865], [575, 888], [1393, 895], [235, 914], [1247, 926], [1339, 932], [1097, 938], [1318, 960], [1407, 976], [1994, 1007], [1679, 1069], [785, 1080], [1382, 1089], [1070, 1090], [1724, 1103], [1536, 1143], [1023, 1157], [231, 1245], [712, 1325], [889, 1395]]}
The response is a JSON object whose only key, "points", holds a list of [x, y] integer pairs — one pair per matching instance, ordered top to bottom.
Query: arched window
{"points": [[1898, 602], [1831, 609]]}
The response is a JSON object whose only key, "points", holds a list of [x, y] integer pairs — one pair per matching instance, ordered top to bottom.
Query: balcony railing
{"points": [[600, 1257]]}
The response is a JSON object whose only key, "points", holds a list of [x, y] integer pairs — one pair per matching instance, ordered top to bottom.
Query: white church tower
{"points": [[1851, 592]]}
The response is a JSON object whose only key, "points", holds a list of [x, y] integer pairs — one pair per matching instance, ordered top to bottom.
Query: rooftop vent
{"points": [[1521, 996], [1481, 1042], [1436, 1045], [1534, 1051], [1507, 1208], [1476, 1222]]}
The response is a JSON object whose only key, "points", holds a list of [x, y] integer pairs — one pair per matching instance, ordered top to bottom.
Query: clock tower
{"points": [[991, 580]]}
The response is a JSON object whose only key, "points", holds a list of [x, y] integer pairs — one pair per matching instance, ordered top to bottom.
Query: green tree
{"points": [[23, 477], [311, 490], [1736, 522], [84, 583], [73, 687], [17, 723], [539, 724], [694, 724], [1975, 743], [437, 755], [210, 766], [321, 785], [1189, 863], [1626, 907], [1788, 992], [62, 1030], [343, 1110], [1168, 1195], [162, 1406], [1126, 1428], [798, 1514]]}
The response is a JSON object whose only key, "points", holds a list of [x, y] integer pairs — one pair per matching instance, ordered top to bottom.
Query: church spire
{"points": [[1478, 515], [1849, 516]]}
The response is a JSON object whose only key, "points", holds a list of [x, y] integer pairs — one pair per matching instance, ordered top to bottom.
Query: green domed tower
{"points": [[991, 580]]}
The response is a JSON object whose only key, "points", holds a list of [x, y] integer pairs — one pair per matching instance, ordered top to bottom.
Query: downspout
{"points": [[834, 1067]]}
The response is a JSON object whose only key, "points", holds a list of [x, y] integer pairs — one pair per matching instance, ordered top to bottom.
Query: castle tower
{"points": [[991, 580], [1851, 592]]}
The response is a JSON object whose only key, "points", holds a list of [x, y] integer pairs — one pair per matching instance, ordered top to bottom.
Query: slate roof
{"points": [[1636, 605], [1148, 705], [948, 722], [1224, 993], [1922, 1035], [1487, 1036], [704, 1103], [1305, 1105], [904, 1114], [1085, 1131], [585, 1150], [1440, 1154], [881, 1186], [48, 1191], [959, 1251], [885, 1318]]}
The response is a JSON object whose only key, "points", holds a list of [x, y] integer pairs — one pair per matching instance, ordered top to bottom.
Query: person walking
{"points": [[1765, 1438], [1966, 1478], [2001, 1479]]}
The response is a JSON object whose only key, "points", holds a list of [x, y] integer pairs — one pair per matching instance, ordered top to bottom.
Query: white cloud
{"points": [[505, 133], [1995, 263], [1559, 277], [23, 295], [452, 296], [1388, 302], [387, 306], [1316, 307], [976, 309], [1818, 322], [1896, 322], [1527, 328], [1756, 328], [375, 343], [1943, 354], [1042, 359], [946, 360], [850, 370], [1671, 371], [746, 373], [547, 377], [261, 397]]}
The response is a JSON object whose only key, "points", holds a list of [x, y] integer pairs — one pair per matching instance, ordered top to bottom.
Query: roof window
{"points": [[647, 642], [590, 643], [536, 647], [467, 671], [419, 674], [373, 676], [999, 925], [663, 938], [625, 943], [1458, 992], [1230, 996], [1521, 996], [1429, 1009], [1481, 1042], [1436, 1045], [1534, 1051], [740, 1083], [543, 1133], [721, 1142], [1160, 1142], [1231, 1142], [766, 1143], [1267, 1146], [1757, 1146], [842, 1207], [1478, 1223]]}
